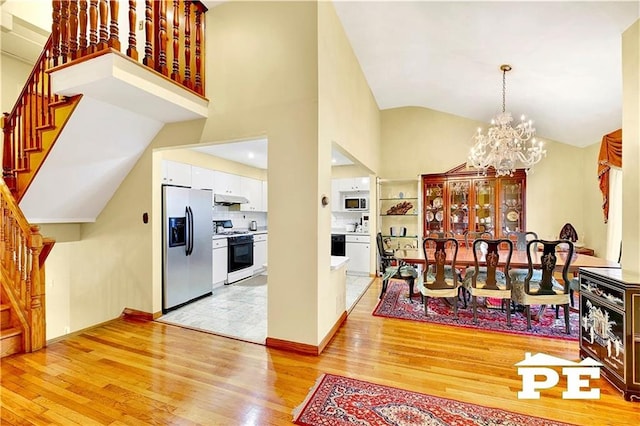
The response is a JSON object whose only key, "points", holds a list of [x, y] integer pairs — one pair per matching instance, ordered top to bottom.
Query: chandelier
{"points": [[506, 148]]}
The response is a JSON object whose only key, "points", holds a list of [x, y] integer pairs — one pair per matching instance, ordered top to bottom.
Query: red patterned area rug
{"points": [[395, 304], [337, 400]]}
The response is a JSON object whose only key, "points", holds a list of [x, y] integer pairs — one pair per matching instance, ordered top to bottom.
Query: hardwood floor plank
{"points": [[134, 372]]}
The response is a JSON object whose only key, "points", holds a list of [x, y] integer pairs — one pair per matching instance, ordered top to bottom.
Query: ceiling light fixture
{"points": [[504, 147]]}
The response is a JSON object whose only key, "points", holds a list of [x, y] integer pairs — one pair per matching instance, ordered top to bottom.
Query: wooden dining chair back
{"points": [[440, 234], [471, 236], [521, 238], [385, 256], [440, 277], [489, 277], [543, 288]]}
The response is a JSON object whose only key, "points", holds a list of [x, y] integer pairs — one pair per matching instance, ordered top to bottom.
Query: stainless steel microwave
{"points": [[356, 203]]}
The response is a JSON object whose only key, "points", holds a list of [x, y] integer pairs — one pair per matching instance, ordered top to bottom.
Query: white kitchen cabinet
{"points": [[175, 173], [201, 178], [226, 183], [353, 184], [252, 190], [265, 197], [358, 250], [259, 252], [219, 261]]}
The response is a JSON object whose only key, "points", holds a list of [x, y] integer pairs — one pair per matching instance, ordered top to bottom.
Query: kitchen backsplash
{"points": [[240, 219], [340, 220]]}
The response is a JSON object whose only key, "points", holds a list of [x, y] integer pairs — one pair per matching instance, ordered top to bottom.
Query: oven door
{"points": [[240, 255]]}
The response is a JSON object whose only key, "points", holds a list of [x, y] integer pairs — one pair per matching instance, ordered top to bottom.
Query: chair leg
{"points": [[410, 280], [384, 288], [571, 297], [426, 305], [455, 309], [475, 309], [528, 309], [508, 311], [566, 319]]}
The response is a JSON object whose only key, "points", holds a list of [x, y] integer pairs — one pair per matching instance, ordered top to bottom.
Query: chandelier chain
{"points": [[504, 89], [505, 147]]}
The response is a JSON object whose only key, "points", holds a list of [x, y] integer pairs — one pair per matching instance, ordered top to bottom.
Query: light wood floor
{"points": [[128, 372]]}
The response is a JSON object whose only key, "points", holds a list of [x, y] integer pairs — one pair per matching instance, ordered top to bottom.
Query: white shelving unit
{"points": [[399, 207]]}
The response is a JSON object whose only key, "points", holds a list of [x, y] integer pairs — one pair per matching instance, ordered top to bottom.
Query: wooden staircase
{"points": [[81, 30]]}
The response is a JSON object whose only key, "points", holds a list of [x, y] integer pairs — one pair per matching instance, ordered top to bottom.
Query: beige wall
{"points": [[14, 75], [348, 117], [420, 141], [630, 148]]}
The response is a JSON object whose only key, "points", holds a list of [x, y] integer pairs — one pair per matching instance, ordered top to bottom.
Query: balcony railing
{"points": [[172, 34]]}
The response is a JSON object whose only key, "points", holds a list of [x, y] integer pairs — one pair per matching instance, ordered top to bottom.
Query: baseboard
{"points": [[139, 315], [304, 348]]}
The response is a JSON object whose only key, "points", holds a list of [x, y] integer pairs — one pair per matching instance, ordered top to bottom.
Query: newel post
{"points": [[37, 320]]}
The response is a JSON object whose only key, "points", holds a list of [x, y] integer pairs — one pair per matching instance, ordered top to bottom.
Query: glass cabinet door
{"points": [[511, 206], [459, 207], [433, 208], [484, 208]]}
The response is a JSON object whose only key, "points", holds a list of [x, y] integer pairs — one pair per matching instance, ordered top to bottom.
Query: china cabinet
{"points": [[460, 200], [399, 211], [610, 325]]}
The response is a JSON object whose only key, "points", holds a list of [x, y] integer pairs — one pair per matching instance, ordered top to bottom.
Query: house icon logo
{"points": [[545, 367]]}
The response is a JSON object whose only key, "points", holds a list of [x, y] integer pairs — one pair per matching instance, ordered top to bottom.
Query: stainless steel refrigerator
{"points": [[187, 218]]}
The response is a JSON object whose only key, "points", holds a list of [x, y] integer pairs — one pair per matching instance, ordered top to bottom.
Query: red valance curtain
{"points": [[610, 155]]}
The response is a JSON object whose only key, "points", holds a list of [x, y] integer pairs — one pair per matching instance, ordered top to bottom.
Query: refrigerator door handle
{"points": [[190, 231], [187, 232]]}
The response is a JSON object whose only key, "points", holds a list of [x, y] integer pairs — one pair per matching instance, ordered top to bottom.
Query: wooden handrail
{"points": [[31, 113], [23, 275]]}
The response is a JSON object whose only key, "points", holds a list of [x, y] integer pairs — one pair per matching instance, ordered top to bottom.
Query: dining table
{"points": [[519, 259]]}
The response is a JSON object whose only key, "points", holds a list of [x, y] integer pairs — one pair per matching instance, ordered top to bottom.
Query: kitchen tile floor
{"points": [[239, 310]]}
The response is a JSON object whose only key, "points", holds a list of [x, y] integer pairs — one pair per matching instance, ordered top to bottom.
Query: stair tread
{"points": [[10, 332]]}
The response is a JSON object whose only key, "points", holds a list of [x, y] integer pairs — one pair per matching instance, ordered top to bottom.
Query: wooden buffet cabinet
{"points": [[460, 200], [610, 325]]}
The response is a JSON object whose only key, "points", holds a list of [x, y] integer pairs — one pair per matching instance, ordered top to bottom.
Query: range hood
{"points": [[228, 200]]}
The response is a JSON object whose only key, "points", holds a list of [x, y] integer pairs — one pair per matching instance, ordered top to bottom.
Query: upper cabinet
{"points": [[175, 173], [201, 178], [226, 183], [352, 184], [346, 185], [252, 189], [460, 200]]}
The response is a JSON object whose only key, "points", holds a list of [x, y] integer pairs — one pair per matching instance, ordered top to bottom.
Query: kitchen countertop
{"points": [[258, 232], [343, 232], [338, 261]]}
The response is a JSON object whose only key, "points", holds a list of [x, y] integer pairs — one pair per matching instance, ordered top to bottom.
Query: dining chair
{"points": [[440, 234], [471, 236], [521, 238], [385, 256], [394, 268], [487, 278], [439, 279], [544, 289]]}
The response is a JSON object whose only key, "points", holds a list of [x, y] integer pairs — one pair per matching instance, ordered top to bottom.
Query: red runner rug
{"points": [[395, 304], [336, 400]]}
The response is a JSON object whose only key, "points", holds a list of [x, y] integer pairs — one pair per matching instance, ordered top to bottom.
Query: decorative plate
{"points": [[437, 202], [429, 216], [439, 216], [513, 216]]}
